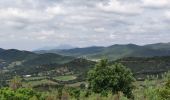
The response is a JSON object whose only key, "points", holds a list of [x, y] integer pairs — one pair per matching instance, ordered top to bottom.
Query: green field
{"points": [[35, 78], [65, 78], [41, 82]]}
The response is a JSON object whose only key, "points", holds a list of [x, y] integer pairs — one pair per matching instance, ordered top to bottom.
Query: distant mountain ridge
{"points": [[116, 51], [78, 60]]}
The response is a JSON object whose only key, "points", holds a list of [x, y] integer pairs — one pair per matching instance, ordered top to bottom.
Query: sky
{"points": [[31, 24]]}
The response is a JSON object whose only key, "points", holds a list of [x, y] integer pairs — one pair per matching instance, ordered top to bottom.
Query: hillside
{"points": [[159, 46], [1, 50], [116, 51], [16, 55], [12, 57], [48, 58], [138, 58], [16, 62], [142, 67]]}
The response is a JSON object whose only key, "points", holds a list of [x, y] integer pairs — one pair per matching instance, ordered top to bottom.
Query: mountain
{"points": [[159, 46], [1, 50], [81, 51], [116, 51], [16, 55], [13, 57], [48, 58], [138, 58], [75, 66]]}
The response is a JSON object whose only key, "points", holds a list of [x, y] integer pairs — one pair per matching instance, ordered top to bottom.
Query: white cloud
{"points": [[156, 3], [119, 7], [55, 10], [12, 12], [28, 15], [167, 15], [82, 23], [99, 29], [113, 36], [42, 38]]}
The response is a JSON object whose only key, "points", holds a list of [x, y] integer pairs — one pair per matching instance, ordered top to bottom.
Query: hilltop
{"points": [[115, 51]]}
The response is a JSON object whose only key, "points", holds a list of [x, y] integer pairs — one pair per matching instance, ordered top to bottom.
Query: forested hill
{"points": [[116, 51], [14, 57], [25, 62], [142, 67]]}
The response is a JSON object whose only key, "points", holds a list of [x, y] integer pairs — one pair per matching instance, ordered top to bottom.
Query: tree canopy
{"points": [[114, 78]]}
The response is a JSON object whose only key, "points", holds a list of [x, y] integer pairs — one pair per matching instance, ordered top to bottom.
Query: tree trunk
{"points": [[117, 96]]}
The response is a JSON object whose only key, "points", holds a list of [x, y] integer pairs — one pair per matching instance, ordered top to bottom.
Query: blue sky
{"points": [[30, 24]]}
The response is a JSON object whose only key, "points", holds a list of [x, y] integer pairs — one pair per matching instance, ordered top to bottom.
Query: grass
{"points": [[34, 78], [65, 78], [35, 83]]}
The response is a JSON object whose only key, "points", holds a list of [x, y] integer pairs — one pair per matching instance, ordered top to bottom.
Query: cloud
{"points": [[156, 3], [119, 7], [55, 10], [22, 14], [167, 15], [82, 23], [99, 29]]}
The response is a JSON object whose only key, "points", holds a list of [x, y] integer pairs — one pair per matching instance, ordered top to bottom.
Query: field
{"points": [[65, 78]]}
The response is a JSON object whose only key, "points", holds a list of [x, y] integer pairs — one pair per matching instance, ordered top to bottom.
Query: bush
{"points": [[74, 92], [164, 92], [19, 94]]}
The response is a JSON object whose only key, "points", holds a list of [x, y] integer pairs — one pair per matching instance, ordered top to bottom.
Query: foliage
{"points": [[115, 78], [15, 83], [82, 86], [60, 91], [74, 92], [164, 92], [19, 94]]}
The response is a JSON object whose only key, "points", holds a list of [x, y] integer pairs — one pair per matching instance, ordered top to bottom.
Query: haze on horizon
{"points": [[31, 24]]}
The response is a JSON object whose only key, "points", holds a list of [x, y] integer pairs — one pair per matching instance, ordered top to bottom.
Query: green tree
{"points": [[114, 78], [15, 83], [82, 86], [60, 91], [74, 92], [164, 92], [19, 94]]}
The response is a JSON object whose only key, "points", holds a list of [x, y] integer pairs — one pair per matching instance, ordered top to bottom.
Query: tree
{"points": [[114, 78], [15, 83], [82, 86], [60, 91], [74, 92], [164, 92], [19, 94]]}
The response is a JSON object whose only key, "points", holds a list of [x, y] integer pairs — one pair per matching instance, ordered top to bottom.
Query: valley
{"points": [[142, 60], [44, 71]]}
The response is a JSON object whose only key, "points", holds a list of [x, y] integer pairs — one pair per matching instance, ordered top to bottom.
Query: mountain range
{"points": [[115, 51], [142, 60], [19, 62]]}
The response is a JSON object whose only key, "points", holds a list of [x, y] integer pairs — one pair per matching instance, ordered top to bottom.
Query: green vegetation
{"points": [[117, 51], [142, 67], [58, 77], [65, 78], [115, 78], [155, 89], [19, 94]]}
